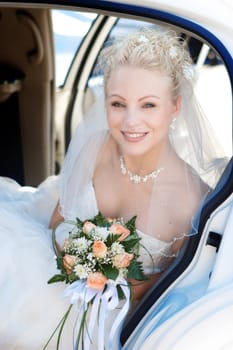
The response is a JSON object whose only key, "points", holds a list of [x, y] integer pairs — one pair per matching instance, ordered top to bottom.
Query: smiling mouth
{"points": [[134, 136]]}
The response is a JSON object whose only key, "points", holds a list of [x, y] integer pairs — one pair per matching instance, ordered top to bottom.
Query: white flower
{"points": [[142, 39], [173, 52], [101, 233], [81, 244], [117, 248], [90, 257], [91, 261], [81, 271], [122, 273]]}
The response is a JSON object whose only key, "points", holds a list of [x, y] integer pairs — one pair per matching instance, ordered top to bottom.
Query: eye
{"points": [[117, 104], [149, 105]]}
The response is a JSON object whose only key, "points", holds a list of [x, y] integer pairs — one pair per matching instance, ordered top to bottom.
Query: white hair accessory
{"points": [[142, 39], [173, 52]]}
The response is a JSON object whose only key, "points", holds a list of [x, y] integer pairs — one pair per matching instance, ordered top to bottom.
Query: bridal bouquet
{"points": [[97, 259]]}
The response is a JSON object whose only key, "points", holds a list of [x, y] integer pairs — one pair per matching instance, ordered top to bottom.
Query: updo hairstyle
{"points": [[150, 49]]}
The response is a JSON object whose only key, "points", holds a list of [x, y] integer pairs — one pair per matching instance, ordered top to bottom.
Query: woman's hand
{"points": [[139, 288]]}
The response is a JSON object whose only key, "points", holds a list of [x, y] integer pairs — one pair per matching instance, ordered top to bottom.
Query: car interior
{"points": [[26, 95], [33, 140]]}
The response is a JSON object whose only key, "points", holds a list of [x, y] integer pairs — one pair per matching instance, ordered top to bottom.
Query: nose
{"points": [[132, 117]]}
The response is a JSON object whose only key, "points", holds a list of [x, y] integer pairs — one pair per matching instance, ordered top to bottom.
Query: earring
{"points": [[172, 125]]}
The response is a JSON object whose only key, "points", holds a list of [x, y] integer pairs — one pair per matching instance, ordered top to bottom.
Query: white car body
{"points": [[213, 15], [195, 311]]}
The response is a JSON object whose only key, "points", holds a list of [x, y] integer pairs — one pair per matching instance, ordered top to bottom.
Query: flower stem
{"points": [[54, 243], [61, 326], [81, 330]]}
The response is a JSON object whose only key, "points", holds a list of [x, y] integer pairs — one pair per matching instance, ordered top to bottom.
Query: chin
{"points": [[135, 151]]}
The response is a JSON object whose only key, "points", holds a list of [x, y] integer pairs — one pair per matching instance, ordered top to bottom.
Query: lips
{"points": [[134, 136]]}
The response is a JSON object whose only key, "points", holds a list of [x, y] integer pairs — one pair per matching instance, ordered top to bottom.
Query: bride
{"points": [[142, 157]]}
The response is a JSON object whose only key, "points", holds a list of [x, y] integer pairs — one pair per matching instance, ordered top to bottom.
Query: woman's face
{"points": [[140, 108]]}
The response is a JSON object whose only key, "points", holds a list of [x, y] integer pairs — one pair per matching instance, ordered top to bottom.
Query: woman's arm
{"points": [[56, 217], [139, 288]]}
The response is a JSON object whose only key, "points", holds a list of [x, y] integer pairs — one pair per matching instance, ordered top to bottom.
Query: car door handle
{"points": [[36, 55]]}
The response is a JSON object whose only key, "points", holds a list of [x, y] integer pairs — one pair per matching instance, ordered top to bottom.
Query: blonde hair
{"points": [[150, 49]]}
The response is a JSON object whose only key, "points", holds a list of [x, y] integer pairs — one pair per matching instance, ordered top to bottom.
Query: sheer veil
{"points": [[192, 139], [80, 161]]}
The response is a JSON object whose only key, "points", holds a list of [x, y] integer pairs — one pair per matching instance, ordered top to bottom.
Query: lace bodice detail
{"points": [[155, 254]]}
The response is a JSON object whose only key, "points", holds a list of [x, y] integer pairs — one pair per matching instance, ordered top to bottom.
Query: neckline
{"points": [[146, 235]]}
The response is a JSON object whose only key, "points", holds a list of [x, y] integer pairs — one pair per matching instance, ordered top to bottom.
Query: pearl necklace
{"points": [[137, 178]]}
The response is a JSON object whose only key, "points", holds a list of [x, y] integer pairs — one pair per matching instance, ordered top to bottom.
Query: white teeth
{"points": [[134, 135]]}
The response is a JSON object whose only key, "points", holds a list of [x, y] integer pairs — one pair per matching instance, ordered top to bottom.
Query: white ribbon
{"points": [[102, 302], [117, 325]]}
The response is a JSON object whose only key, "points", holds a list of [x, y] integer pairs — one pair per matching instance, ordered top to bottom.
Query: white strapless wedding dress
{"points": [[30, 309]]}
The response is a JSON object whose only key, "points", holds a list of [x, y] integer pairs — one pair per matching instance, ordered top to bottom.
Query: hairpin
{"points": [[142, 39], [173, 52]]}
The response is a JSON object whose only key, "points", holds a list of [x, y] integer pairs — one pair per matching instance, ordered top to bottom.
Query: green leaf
{"points": [[100, 220], [79, 223], [131, 224], [111, 239], [129, 244], [60, 264], [135, 271], [110, 272], [57, 278], [71, 278], [120, 292]]}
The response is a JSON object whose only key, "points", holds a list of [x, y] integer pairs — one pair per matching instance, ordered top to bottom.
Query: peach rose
{"points": [[88, 226], [118, 229], [99, 249], [122, 260], [69, 261], [96, 280]]}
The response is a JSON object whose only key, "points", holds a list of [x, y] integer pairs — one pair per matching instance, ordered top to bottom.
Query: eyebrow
{"points": [[115, 95], [148, 96], [140, 99]]}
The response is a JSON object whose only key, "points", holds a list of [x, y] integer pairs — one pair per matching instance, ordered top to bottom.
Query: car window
{"points": [[69, 27]]}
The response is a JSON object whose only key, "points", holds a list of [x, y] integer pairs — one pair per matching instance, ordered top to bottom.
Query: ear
{"points": [[177, 104]]}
